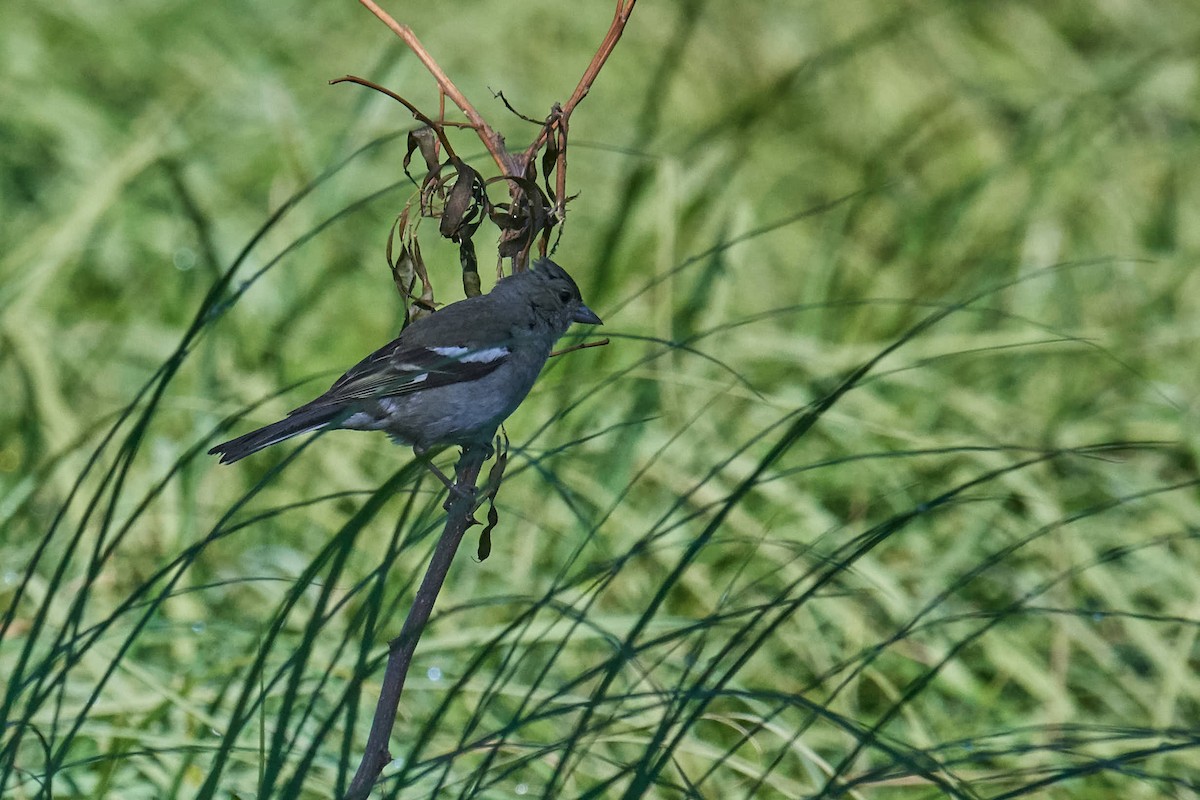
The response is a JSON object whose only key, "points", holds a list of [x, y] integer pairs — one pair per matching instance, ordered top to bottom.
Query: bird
{"points": [[449, 378]]}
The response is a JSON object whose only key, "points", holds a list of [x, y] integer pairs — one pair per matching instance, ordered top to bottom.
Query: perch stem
{"points": [[400, 650]]}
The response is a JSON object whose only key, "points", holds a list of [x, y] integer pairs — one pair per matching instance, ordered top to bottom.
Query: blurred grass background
{"points": [[971, 572]]}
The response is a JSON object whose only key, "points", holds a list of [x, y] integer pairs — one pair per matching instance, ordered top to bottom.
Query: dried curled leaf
{"points": [[424, 139], [550, 158], [465, 204], [524, 220], [408, 267], [470, 268], [424, 305], [495, 477]]}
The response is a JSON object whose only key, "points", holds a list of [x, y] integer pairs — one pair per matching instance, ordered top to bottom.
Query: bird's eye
{"points": [[564, 295]]}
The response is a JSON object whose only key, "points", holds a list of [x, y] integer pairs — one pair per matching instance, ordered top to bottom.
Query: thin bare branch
{"points": [[620, 19], [615, 29], [499, 95], [436, 127], [492, 140], [560, 170], [580, 346], [461, 508]]}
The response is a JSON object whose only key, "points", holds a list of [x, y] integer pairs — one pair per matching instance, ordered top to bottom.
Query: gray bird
{"points": [[450, 378]]}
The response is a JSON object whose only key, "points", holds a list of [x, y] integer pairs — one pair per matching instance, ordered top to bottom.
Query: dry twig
{"points": [[492, 140], [532, 214], [460, 517]]}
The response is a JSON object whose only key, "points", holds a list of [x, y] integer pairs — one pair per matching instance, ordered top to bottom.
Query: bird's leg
{"points": [[423, 456], [441, 476]]}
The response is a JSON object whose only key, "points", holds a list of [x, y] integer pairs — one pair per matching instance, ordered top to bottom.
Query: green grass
{"points": [[886, 486]]}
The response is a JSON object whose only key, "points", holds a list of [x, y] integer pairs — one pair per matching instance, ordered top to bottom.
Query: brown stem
{"points": [[620, 19], [615, 29], [556, 124], [436, 127], [492, 140], [560, 171], [580, 346], [400, 650]]}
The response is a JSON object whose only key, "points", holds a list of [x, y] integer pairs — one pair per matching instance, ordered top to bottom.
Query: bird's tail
{"points": [[302, 420]]}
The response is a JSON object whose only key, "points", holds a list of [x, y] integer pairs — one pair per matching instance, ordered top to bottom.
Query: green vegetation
{"points": [[730, 563]]}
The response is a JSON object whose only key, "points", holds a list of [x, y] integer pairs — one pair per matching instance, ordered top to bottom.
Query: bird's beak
{"points": [[586, 316]]}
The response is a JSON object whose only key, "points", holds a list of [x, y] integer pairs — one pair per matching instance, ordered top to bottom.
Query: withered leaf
{"points": [[424, 139], [550, 162], [433, 185], [461, 214], [531, 219], [401, 268], [470, 268], [424, 305], [495, 477], [485, 536]]}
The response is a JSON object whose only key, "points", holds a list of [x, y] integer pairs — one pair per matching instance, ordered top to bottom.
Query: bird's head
{"points": [[552, 295]]}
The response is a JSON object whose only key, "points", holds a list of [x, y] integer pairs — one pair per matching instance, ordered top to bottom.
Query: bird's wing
{"points": [[401, 368]]}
